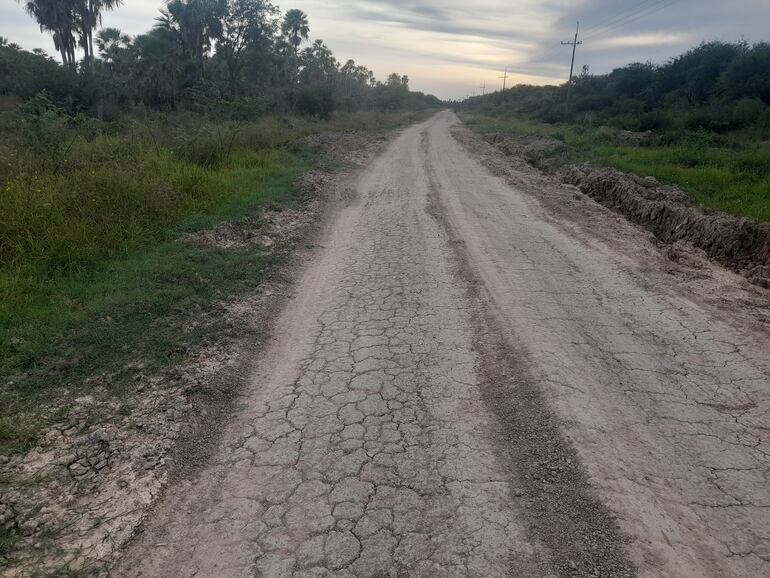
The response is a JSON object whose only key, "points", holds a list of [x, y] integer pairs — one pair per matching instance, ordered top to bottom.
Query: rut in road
{"points": [[658, 371], [399, 424], [364, 447]]}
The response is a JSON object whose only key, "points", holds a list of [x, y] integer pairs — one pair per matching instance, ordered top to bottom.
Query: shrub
{"points": [[749, 74], [315, 102], [244, 109], [747, 111], [654, 120], [45, 128], [208, 146]]}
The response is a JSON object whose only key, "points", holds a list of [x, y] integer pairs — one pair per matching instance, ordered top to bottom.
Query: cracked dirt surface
{"points": [[660, 371], [401, 422]]}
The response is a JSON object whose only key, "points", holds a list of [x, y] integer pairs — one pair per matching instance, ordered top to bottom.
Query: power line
{"points": [[652, 9], [639, 11], [616, 16], [609, 20], [615, 21], [619, 24], [574, 45], [543, 55], [533, 59], [504, 77]]}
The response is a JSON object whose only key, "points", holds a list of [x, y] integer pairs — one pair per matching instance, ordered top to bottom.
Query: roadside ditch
{"points": [[740, 244]]}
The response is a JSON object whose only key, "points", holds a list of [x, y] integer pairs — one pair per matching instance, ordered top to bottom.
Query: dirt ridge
{"points": [[738, 243], [741, 244], [642, 353], [551, 479]]}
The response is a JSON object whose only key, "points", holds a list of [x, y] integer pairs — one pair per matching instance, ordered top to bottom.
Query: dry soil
{"points": [[485, 373]]}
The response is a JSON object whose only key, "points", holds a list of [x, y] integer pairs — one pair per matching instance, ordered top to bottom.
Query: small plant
{"points": [[45, 129], [49, 132], [209, 146]]}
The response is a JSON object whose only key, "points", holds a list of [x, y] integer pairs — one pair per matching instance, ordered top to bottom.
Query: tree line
{"points": [[235, 58], [717, 86]]}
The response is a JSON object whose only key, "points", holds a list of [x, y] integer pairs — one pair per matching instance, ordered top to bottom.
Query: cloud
{"points": [[655, 39], [451, 47]]}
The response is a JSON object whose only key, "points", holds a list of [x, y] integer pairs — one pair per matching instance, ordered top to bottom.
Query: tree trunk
{"points": [[91, 25], [91, 46], [233, 74]]}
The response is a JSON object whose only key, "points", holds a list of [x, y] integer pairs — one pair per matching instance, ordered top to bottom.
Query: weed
{"points": [[730, 173], [8, 539]]}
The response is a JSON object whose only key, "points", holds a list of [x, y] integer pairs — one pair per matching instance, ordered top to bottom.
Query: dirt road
{"points": [[474, 379]]}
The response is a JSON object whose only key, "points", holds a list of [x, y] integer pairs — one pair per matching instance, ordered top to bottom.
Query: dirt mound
{"points": [[637, 139], [351, 146], [533, 148], [261, 231], [738, 243]]}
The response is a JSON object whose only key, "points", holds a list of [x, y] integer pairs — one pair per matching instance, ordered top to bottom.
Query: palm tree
{"points": [[59, 18], [62, 18], [89, 18], [195, 23], [295, 28], [111, 42]]}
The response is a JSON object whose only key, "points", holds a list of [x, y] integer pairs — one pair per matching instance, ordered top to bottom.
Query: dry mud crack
{"points": [[484, 373]]}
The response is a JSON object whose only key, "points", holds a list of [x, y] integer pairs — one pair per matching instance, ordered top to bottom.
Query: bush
{"points": [[25, 74], [749, 74], [716, 86], [315, 102], [243, 109], [747, 111], [555, 113], [712, 118], [654, 120], [624, 122], [763, 124], [49, 132], [208, 146]]}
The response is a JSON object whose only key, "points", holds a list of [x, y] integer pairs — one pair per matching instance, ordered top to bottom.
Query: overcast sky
{"points": [[451, 47]]}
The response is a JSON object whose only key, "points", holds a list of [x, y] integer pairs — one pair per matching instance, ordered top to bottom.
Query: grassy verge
{"points": [[730, 173], [92, 274], [60, 327]]}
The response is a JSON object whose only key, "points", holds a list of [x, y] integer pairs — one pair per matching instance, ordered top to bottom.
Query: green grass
{"points": [[727, 173], [91, 191], [93, 276], [60, 327]]}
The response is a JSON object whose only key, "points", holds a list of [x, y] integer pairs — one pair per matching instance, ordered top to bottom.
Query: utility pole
{"points": [[574, 44], [504, 77], [484, 89]]}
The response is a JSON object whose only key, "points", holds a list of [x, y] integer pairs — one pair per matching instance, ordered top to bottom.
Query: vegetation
{"points": [[226, 59], [718, 87], [708, 110], [107, 162], [93, 274]]}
